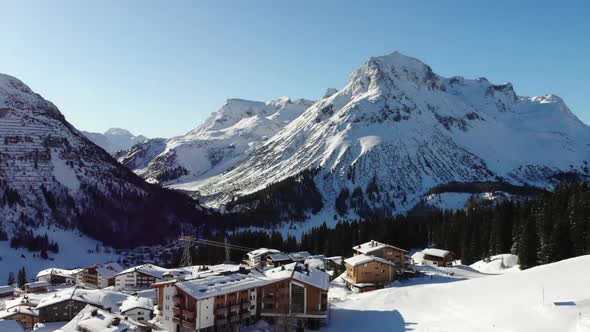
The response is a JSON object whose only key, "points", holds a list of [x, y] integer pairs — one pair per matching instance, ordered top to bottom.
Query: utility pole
{"points": [[187, 242], [227, 257]]}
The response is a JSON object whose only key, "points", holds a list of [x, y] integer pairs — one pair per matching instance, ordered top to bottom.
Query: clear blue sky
{"points": [[161, 67]]}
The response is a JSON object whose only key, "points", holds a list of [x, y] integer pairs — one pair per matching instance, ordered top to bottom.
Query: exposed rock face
{"points": [[398, 129], [226, 138], [51, 174]]}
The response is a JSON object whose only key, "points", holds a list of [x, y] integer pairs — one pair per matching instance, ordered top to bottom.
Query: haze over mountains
{"points": [[115, 139], [378, 146]]}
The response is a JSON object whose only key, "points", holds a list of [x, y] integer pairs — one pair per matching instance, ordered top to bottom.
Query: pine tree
{"points": [[528, 246], [22, 277], [11, 279]]}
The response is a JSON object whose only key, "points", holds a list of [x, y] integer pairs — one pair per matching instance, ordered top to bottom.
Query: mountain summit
{"points": [[397, 130], [52, 175]]}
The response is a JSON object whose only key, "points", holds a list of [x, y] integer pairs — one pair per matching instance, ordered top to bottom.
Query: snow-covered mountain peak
{"points": [[329, 92], [17, 96], [118, 132]]}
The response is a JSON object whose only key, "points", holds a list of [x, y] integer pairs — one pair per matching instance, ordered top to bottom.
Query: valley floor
{"points": [[471, 301]]}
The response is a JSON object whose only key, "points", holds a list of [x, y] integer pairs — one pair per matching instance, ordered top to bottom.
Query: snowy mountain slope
{"points": [[398, 129], [225, 138], [115, 139], [51, 174], [519, 301]]}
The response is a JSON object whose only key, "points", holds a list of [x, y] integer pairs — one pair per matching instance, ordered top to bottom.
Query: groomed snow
{"points": [[520, 301]]}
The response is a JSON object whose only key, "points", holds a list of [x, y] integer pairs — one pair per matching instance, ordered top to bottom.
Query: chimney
{"points": [[94, 312], [116, 321]]}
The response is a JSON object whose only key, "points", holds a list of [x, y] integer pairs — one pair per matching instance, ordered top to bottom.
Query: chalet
{"points": [[386, 251], [299, 257], [436, 257], [257, 258], [275, 260], [366, 273], [58, 276], [99, 276], [143, 276], [37, 287], [6, 291], [296, 297], [220, 303], [65, 305], [137, 308], [27, 316], [94, 319], [11, 326]]}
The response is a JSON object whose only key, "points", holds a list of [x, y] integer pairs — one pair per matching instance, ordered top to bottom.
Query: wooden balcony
{"points": [[176, 299], [246, 305], [234, 307], [177, 311], [221, 311], [188, 314], [234, 319], [176, 320], [188, 325]]}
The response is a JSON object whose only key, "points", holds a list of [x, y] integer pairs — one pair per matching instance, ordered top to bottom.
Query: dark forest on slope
{"points": [[548, 228]]}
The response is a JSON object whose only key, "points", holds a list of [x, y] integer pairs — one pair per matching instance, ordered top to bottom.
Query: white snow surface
{"points": [[409, 129], [226, 138], [115, 139], [497, 264], [520, 301]]}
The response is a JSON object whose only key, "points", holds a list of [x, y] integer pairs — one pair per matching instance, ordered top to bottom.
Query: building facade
{"points": [[366, 273]]}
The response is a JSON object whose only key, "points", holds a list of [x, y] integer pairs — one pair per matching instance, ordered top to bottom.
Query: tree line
{"points": [[546, 228]]}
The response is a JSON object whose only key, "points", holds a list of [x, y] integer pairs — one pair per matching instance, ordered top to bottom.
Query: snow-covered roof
{"points": [[371, 246], [262, 251], [436, 252], [299, 256], [279, 257], [362, 259], [109, 270], [155, 271], [197, 271], [58, 272], [299, 272], [37, 284], [219, 285], [6, 289], [98, 297], [137, 302], [21, 309], [101, 321], [11, 326]]}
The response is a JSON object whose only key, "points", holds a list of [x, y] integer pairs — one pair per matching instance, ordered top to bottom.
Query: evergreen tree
{"points": [[528, 246], [22, 277], [11, 279]]}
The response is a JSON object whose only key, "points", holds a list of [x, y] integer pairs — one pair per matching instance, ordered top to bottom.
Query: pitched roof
{"points": [[371, 246], [262, 251], [436, 252], [299, 256], [279, 257], [362, 259], [109, 270], [155, 271], [58, 272], [300, 272], [37, 284], [219, 285], [6, 289], [97, 297], [137, 302], [21, 309], [101, 321], [11, 326]]}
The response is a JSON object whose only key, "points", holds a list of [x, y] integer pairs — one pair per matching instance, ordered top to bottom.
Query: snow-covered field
{"points": [[75, 250], [498, 264], [520, 301]]}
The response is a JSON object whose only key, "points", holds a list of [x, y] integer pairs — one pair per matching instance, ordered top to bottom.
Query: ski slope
{"points": [[520, 301]]}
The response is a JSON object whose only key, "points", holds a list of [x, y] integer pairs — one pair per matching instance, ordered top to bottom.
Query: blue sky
{"points": [[160, 68]]}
